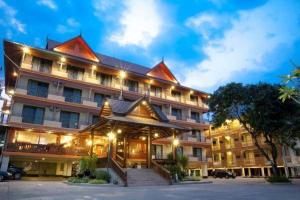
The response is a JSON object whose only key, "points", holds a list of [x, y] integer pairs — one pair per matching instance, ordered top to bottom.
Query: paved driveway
{"points": [[220, 189]]}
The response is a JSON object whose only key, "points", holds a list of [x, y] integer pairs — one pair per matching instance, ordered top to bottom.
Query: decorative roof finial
{"points": [[163, 59]]}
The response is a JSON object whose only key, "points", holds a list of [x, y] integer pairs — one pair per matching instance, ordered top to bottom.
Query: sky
{"points": [[205, 43]]}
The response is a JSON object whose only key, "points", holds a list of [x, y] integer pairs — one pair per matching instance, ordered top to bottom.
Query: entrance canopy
{"points": [[133, 119]]}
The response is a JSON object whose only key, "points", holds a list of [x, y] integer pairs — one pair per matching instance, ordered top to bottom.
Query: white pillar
{"points": [[4, 164], [204, 171], [269, 171], [293, 171], [243, 172], [249, 172], [262, 172]]}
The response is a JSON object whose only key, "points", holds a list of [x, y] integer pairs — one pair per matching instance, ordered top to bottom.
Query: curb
{"points": [[192, 182], [90, 185]]}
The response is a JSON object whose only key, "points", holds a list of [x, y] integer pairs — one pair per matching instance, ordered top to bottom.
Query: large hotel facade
{"points": [[66, 99]]}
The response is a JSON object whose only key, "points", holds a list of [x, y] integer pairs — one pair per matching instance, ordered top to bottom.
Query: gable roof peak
{"points": [[76, 46], [162, 71]]}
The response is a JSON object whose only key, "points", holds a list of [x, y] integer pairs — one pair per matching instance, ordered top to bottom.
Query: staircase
{"points": [[144, 177]]}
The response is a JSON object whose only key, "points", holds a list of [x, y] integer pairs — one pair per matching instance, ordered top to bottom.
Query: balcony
{"points": [[90, 78], [51, 123], [247, 143], [216, 147], [46, 149], [196, 159], [249, 161]]}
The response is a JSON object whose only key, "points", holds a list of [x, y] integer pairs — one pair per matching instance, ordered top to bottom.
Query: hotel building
{"points": [[66, 98], [233, 149]]}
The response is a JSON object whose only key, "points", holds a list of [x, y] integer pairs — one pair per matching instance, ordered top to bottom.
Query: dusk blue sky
{"points": [[206, 43]]}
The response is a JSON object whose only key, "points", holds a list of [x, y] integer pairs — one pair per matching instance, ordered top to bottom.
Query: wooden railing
{"points": [[46, 149], [162, 171], [121, 172]]}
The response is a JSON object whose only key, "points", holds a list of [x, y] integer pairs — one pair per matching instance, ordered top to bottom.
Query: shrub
{"points": [[183, 161], [88, 164], [175, 169], [104, 175], [278, 179], [78, 180], [97, 181]]}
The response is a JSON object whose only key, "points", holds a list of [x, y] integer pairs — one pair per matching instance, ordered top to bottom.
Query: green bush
{"points": [[183, 161], [88, 163], [175, 169], [103, 175], [278, 179], [78, 180], [97, 181]]}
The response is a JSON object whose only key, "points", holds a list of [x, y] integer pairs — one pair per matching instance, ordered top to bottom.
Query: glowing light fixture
{"points": [[25, 49], [63, 59], [94, 67], [15, 74], [123, 74], [150, 81], [172, 87], [12, 92], [191, 92], [208, 96], [144, 102], [106, 103], [7, 112], [30, 129], [119, 131], [155, 135], [111, 136], [227, 137], [143, 138], [89, 142], [175, 142], [43, 158]]}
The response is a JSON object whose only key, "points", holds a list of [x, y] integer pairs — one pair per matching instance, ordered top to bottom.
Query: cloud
{"points": [[48, 3], [9, 18], [140, 23], [70, 26], [253, 35]]}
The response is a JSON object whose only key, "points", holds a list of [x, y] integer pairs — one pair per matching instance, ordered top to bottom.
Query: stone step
{"points": [[144, 177]]}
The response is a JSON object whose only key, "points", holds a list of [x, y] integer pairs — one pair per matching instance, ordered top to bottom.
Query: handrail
{"points": [[162, 171], [121, 172]]}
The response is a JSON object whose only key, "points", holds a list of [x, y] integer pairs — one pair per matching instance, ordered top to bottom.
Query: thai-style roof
{"points": [[124, 113]]}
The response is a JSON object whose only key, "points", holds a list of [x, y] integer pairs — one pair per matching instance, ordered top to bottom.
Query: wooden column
{"points": [[92, 140], [173, 147], [149, 148], [125, 151]]}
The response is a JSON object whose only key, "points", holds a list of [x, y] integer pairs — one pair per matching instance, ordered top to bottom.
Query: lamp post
{"points": [[111, 137]]}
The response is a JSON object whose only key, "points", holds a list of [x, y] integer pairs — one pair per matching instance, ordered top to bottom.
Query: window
{"points": [[42, 65], [75, 72], [104, 79], [133, 86], [36, 88], [155, 91], [72, 95], [176, 95], [99, 98], [193, 98], [177, 113], [33, 115], [195, 116], [69, 119], [95, 119], [158, 151], [197, 152], [216, 158]]}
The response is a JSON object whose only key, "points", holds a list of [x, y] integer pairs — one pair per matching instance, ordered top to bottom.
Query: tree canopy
{"points": [[261, 113]]}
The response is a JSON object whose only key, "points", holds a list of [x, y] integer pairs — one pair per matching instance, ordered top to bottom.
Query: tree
{"points": [[291, 87], [261, 114]]}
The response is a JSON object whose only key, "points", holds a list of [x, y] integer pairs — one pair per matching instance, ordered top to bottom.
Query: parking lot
{"points": [[239, 188]]}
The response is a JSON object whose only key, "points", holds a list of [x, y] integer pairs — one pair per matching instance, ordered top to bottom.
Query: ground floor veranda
{"points": [[51, 153]]}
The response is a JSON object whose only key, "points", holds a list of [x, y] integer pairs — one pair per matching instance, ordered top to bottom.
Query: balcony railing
{"points": [[112, 84], [17, 118], [247, 143], [46, 149], [196, 158], [249, 161]]}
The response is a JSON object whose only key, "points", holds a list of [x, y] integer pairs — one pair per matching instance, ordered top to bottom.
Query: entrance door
{"points": [[137, 153]]}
